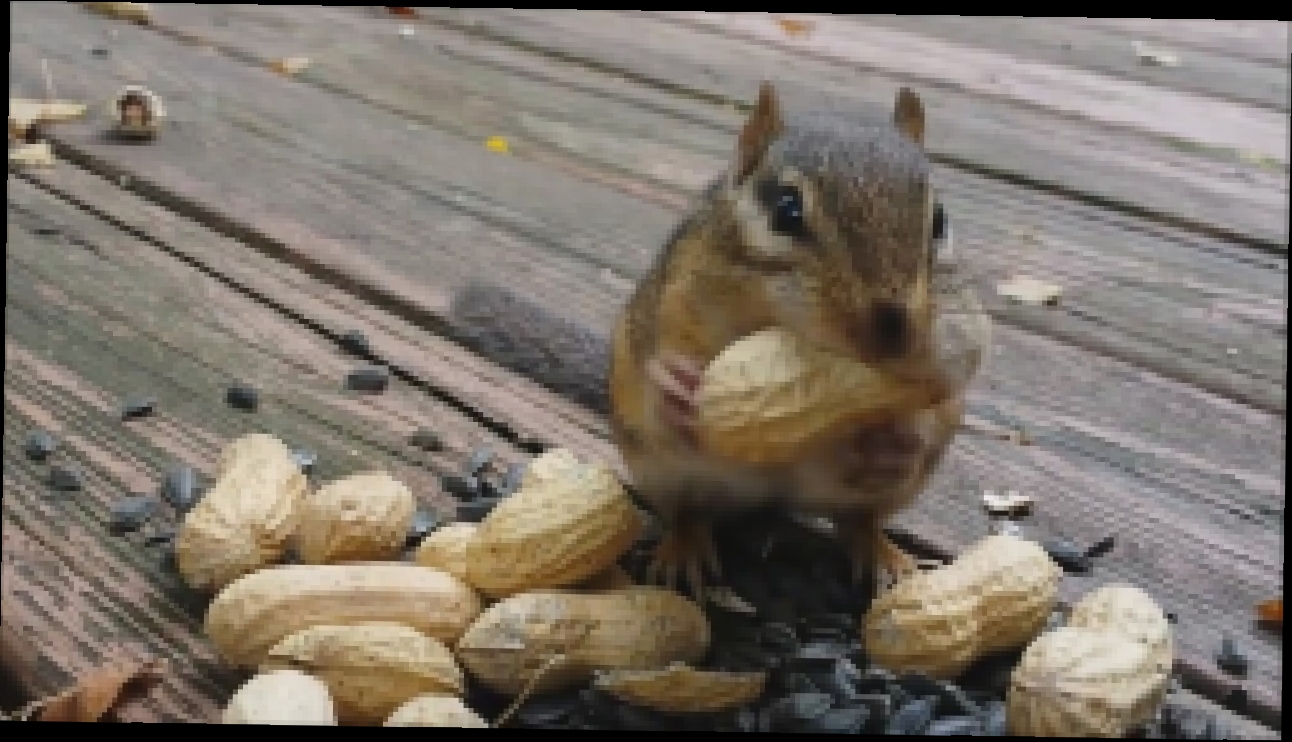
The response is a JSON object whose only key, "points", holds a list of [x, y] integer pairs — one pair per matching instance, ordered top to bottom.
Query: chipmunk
{"points": [[822, 225]]}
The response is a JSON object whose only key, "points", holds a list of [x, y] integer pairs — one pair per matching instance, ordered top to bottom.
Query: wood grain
{"points": [[1178, 182], [1126, 280], [1191, 483]]}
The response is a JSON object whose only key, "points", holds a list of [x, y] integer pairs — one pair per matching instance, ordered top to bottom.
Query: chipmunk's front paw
{"points": [[677, 379], [686, 550], [874, 555]]}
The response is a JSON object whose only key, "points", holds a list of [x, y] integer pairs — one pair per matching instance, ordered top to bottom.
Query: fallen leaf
{"points": [[400, 10], [140, 12], [794, 27], [1147, 55], [290, 65], [23, 113], [497, 144], [36, 154], [1030, 291], [1006, 503], [1271, 612], [100, 691]]}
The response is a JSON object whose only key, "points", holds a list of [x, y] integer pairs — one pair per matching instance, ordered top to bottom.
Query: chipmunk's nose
{"points": [[883, 332]]}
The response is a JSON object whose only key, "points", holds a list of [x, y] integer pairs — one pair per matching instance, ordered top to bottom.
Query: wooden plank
{"points": [[1043, 39], [1260, 40], [1096, 49], [1099, 99], [555, 113], [1172, 181], [94, 316], [1214, 474]]}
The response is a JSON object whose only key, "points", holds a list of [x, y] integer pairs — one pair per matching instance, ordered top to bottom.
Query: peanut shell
{"points": [[769, 396], [248, 517], [364, 517], [556, 531], [446, 549], [998, 595], [259, 610], [1129, 611], [639, 628], [370, 669], [1081, 682], [682, 689], [287, 697], [436, 711]]}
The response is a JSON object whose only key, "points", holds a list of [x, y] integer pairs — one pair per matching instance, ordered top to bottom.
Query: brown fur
{"points": [[724, 274]]}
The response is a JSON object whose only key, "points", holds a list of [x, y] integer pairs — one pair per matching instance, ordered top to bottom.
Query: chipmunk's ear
{"points": [[908, 115], [762, 128]]}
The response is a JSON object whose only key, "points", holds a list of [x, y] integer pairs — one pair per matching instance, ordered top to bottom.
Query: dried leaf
{"points": [[139, 12], [406, 12], [794, 27], [1155, 57], [290, 65], [24, 113], [497, 144], [37, 154], [1028, 290], [1271, 612], [97, 693]]}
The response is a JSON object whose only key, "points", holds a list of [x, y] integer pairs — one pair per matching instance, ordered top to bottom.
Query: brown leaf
{"points": [[400, 10], [794, 27], [1271, 612], [100, 691]]}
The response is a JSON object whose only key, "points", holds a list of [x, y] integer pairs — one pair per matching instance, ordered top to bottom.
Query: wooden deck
{"points": [[276, 213]]}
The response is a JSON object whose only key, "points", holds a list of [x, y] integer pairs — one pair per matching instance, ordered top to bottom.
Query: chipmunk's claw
{"points": [[686, 550], [875, 556]]}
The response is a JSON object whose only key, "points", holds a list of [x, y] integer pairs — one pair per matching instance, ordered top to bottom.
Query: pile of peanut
{"points": [[531, 599]]}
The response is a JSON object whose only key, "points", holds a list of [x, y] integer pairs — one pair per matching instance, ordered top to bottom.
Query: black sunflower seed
{"points": [[356, 343], [371, 380], [242, 397], [136, 408], [426, 439], [39, 445], [305, 459], [479, 461], [66, 479], [512, 479], [181, 488], [463, 488], [476, 510], [130, 514], [424, 521], [1101, 547], [1068, 556], [1231, 659], [912, 717], [993, 719], [847, 720], [954, 726]]}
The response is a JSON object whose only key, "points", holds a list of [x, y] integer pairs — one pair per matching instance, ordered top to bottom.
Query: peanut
{"points": [[364, 517], [247, 519], [563, 527], [998, 595], [259, 610], [570, 635], [371, 668], [682, 689], [287, 697], [435, 711]]}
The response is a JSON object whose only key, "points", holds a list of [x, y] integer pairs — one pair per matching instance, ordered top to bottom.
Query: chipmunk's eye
{"points": [[786, 205], [939, 223], [940, 234]]}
